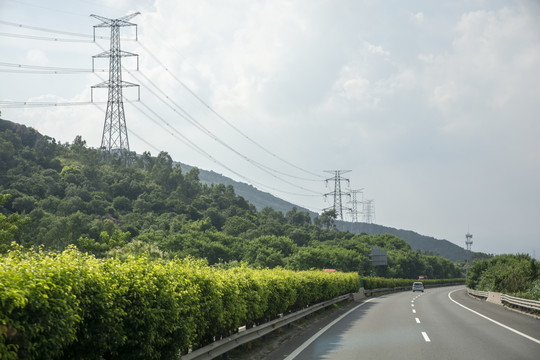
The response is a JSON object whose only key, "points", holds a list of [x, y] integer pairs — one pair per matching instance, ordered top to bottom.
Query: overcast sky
{"points": [[432, 105]]}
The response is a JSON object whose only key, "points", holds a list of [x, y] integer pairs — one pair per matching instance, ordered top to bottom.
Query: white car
{"points": [[418, 286]]}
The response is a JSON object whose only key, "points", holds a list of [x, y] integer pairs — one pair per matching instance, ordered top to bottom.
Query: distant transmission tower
{"points": [[115, 137], [337, 193], [354, 203], [369, 211]]}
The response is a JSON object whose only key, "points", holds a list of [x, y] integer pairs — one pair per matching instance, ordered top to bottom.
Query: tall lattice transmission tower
{"points": [[115, 137], [337, 193], [354, 203], [369, 211]]}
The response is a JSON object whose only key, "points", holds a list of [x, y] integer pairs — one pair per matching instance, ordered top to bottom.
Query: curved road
{"points": [[441, 323]]}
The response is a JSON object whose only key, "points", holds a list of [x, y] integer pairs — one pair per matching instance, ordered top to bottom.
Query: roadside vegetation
{"points": [[55, 195], [103, 260], [517, 275]]}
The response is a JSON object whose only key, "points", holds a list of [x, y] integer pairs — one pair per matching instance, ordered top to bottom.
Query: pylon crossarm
{"points": [[104, 84]]}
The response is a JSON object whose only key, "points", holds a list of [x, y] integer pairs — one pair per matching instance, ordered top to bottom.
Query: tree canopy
{"points": [[55, 195]]}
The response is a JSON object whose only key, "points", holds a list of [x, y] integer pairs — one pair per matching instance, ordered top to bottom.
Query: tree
{"points": [[295, 217], [327, 219], [9, 225]]}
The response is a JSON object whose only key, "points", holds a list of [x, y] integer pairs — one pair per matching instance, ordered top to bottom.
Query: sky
{"points": [[431, 108]]}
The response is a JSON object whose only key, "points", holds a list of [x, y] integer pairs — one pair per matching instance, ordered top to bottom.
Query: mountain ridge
{"points": [[261, 199]]}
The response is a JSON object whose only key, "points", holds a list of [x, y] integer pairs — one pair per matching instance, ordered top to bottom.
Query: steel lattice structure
{"points": [[115, 137], [337, 193], [354, 202]]}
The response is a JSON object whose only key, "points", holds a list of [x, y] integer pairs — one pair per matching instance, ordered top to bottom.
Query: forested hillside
{"points": [[65, 195], [261, 199]]}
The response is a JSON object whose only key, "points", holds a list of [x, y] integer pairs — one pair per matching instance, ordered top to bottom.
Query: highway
{"points": [[441, 323]]}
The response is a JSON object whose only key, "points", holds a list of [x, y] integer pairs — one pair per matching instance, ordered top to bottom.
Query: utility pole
{"points": [[115, 137], [337, 193], [468, 243]]}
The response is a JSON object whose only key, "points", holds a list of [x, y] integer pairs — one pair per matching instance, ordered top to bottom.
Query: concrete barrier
{"points": [[494, 297]]}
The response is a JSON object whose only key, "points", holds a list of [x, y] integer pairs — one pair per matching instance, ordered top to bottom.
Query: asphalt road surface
{"points": [[441, 323]]}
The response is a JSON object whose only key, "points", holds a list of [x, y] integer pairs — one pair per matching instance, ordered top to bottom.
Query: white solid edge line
{"points": [[494, 321], [426, 338], [301, 348]]}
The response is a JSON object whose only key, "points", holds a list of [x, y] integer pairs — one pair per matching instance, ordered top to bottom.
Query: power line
{"points": [[44, 29], [53, 31], [44, 38], [47, 69], [56, 70], [24, 104], [189, 118], [223, 118], [206, 131], [177, 134]]}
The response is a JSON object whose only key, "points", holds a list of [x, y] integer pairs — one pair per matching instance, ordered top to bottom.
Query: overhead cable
{"points": [[58, 32], [45, 38], [39, 69], [24, 104], [223, 118], [202, 128]]}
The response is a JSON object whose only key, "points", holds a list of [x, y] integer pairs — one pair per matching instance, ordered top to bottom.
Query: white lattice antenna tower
{"points": [[468, 243]]}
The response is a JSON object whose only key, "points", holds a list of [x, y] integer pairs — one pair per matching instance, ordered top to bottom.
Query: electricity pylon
{"points": [[115, 137], [337, 193], [354, 202], [369, 211]]}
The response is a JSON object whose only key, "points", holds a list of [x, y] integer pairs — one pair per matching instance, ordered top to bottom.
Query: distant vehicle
{"points": [[422, 277], [417, 286]]}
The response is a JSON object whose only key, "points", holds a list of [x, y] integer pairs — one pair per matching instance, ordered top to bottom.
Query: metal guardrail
{"points": [[477, 293], [521, 303], [525, 304], [224, 345]]}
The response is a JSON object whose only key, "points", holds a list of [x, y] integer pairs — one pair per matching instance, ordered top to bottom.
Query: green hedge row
{"points": [[381, 283], [70, 305]]}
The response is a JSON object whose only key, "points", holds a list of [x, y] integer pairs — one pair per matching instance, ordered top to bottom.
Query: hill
{"points": [[257, 198], [262, 199], [423, 243]]}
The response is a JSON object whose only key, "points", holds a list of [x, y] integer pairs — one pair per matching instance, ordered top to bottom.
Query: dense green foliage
{"points": [[66, 196], [510, 274], [71, 305]]}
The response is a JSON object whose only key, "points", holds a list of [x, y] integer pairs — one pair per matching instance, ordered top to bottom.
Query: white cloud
{"points": [[418, 18], [376, 49], [433, 107]]}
